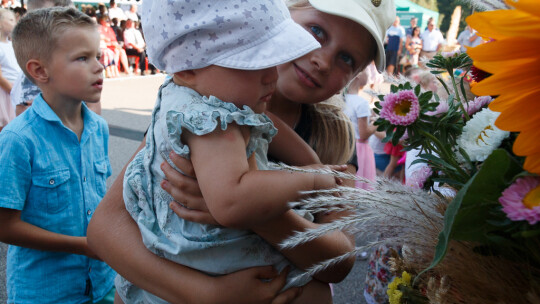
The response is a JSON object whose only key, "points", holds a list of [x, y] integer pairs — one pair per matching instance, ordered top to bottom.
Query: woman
{"points": [[414, 46], [347, 48]]}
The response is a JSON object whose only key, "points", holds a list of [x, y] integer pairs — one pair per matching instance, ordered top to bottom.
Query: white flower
{"points": [[480, 135]]}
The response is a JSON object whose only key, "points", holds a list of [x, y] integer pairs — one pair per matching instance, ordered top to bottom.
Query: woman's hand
{"points": [[188, 201], [247, 286]]}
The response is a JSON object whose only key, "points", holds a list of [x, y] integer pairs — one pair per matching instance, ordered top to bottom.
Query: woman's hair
{"points": [[414, 29], [332, 134]]}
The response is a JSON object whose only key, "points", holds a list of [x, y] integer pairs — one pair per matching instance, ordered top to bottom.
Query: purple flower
{"points": [[475, 105], [400, 108], [419, 177], [521, 201]]}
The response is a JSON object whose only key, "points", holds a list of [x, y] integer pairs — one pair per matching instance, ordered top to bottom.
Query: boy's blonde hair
{"points": [[36, 34]]}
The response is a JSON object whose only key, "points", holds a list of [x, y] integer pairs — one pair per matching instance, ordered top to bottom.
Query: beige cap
{"points": [[375, 15]]}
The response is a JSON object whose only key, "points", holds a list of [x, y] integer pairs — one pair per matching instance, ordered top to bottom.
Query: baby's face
{"points": [[241, 87]]}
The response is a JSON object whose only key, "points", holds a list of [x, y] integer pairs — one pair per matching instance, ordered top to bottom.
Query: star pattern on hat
{"points": [[264, 8], [247, 13], [178, 16], [219, 19], [213, 36], [197, 44]]}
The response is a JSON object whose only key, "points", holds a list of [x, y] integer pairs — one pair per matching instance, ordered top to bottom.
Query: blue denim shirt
{"points": [[57, 182]]}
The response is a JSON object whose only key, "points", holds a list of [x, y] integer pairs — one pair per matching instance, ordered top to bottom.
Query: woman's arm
{"points": [[289, 147], [115, 237]]}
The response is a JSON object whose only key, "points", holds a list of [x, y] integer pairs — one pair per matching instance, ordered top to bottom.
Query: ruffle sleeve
{"points": [[203, 115]]}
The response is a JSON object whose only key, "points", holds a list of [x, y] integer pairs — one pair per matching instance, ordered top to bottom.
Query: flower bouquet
{"points": [[468, 217]]}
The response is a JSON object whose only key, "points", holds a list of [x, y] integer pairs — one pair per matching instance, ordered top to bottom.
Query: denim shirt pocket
{"points": [[101, 167], [53, 187]]}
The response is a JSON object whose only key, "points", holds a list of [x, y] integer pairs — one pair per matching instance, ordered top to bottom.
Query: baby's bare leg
{"points": [[315, 292]]}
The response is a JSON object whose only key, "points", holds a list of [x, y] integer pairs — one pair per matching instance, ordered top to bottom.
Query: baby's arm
{"points": [[289, 147], [236, 194]]}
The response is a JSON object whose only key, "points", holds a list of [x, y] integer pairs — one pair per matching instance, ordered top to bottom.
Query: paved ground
{"points": [[126, 105]]}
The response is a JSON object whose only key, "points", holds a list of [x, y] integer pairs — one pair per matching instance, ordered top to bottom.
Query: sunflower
{"points": [[513, 59]]}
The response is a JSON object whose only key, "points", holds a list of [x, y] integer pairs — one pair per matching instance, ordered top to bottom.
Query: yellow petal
{"points": [[530, 6], [505, 23], [500, 49], [502, 66], [525, 79], [512, 99], [519, 117], [527, 142], [532, 163]]}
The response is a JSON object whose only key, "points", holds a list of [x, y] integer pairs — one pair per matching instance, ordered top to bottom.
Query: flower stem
{"points": [[465, 114], [445, 154]]}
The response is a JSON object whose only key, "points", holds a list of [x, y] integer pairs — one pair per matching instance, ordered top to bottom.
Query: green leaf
{"points": [[394, 88], [417, 90], [466, 216]]}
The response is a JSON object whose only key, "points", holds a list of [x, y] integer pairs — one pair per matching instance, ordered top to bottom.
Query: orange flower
{"points": [[514, 60]]}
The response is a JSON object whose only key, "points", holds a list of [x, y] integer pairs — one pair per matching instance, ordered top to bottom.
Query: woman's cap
{"points": [[375, 15], [238, 34]]}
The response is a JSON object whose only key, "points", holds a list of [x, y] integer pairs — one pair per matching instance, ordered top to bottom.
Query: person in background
{"points": [[116, 12], [132, 13], [413, 24], [395, 36], [468, 38], [432, 41], [135, 45], [413, 45], [9, 69], [359, 111], [55, 164]]}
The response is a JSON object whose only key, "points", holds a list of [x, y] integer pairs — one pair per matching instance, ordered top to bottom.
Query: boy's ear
{"points": [[37, 70], [187, 77]]}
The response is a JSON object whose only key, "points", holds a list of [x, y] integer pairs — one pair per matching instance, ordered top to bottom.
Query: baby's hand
{"points": [[326, 181]]}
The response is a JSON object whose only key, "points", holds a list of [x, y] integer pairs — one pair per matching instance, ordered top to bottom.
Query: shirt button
{"points": [[84, 178], [51, 181], [89, 212]]}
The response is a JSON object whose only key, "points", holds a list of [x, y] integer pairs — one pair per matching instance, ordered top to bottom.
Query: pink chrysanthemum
{"points": [[475, 105], [400, 108], [419, 177], [521, 201]]}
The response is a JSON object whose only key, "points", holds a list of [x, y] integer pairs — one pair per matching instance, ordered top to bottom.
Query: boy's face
{"points": [[345, 50], [74, 69], [241, 87]]}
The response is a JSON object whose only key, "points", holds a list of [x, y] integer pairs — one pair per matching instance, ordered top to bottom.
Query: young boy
{"points": [[55, 163]]}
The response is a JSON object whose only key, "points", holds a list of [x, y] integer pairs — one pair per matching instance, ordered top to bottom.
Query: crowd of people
{"points": [[199, 190]]}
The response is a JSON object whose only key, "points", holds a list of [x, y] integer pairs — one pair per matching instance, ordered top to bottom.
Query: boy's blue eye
{"points": [[317, 31], [82, 58]]}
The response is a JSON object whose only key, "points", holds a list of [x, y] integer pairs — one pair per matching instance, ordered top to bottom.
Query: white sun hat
{"points": [[375, 15], [238, 34]]}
